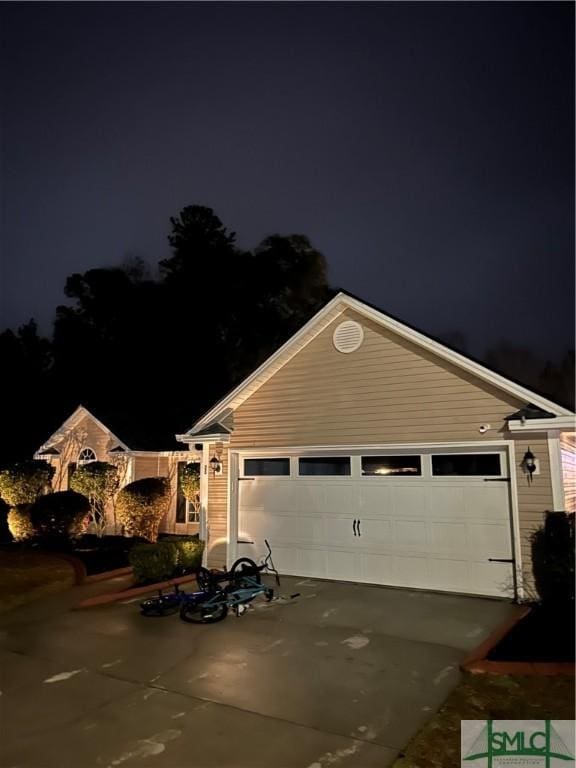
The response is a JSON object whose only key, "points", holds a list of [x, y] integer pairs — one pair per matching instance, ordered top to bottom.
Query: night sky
{"points": [[426, 149]]}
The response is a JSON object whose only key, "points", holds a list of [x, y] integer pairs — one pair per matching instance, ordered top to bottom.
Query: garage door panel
{"points": [[273, 496], [310, 496], [340, 498], [375, 498], [409, 500], [485, 503], [336, 530], [376, 532], [427, 532], [411, 534], [449, 537], [492, 539], [343, 563], [376, 568], [411, 570], [448, 571], [491, 579]]}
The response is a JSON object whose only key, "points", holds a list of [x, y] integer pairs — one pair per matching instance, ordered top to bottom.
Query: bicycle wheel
{"points": [[244, 568], [204, 579], [157, 608], [200, 613]]}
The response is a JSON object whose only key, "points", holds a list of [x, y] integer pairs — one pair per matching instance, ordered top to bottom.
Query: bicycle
{"points": [[244, 585]]}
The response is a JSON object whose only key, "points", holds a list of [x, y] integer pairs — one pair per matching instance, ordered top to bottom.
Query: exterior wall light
{"points": [[529, 464], [216, 465]]}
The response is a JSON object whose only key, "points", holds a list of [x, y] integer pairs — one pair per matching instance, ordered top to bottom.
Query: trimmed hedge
{"points": [[23, 481], [141, 505], [59, 516], [19, 523], [189, 552], [166, 559], [153, 562]]}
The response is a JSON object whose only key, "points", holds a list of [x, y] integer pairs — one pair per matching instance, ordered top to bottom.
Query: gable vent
{"points": [[348, 336]]}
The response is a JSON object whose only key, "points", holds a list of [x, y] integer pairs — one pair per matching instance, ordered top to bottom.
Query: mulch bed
{"points": [[105, 554], [545, 635]]}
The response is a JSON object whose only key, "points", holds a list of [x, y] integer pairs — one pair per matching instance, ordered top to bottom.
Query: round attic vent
{"points": [[348, 336]]}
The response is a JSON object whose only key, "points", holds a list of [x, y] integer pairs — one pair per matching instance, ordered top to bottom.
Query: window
{"points": [[85, 456], [466, 464], [324, 465], [406, 466], [266, 467], [193, 511]]}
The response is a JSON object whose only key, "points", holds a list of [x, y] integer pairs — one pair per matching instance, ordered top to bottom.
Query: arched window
{"points": [[85, 456]]}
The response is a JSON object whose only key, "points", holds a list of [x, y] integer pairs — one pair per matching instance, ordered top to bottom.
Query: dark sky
{"points": [[426, 149]]}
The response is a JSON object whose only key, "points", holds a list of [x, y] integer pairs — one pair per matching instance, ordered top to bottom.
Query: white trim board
{"points": [[339, 304], [78, 414]]}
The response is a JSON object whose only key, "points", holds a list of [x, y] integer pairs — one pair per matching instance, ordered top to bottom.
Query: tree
{"points": [[23, 482], [98, 482], [141, 505]]}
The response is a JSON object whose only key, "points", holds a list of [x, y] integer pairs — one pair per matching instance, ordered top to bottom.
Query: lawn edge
{"points": [[477, 663]]}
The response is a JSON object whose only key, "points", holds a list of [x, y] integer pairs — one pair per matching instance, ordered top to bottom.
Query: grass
{"points": [[26, 576], [482, 697]]}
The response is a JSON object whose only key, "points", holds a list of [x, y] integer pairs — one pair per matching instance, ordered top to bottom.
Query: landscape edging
{"points": [[133, 592], [477, 663]]}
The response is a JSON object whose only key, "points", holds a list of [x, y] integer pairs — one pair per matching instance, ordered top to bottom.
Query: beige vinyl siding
{"points": [[388, 391], [86, 434], [568, 450], [534, 499], [218, 511]]}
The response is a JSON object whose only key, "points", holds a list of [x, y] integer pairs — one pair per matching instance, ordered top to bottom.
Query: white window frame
{"points": [[82, 462]]}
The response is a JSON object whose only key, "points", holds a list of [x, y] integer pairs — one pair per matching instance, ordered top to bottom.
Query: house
{"points": [[363, 450], [136, 451], [366, 451]]}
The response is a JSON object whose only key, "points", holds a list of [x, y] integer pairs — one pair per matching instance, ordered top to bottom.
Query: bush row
{"points": [[55, 517], [166, 559]]}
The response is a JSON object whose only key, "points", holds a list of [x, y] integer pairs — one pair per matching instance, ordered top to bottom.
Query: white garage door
{"points": [[431, 520]]}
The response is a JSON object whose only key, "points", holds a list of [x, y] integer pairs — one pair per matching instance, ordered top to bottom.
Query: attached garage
{"points": [[366, 451], [425, 518]]}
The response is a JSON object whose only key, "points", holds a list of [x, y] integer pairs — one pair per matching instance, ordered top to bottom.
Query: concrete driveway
{"points": [[342, 676]]}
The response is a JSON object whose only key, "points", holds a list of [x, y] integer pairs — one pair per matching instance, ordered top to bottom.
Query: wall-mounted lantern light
{"points": [[529, 464], [216, 465]]}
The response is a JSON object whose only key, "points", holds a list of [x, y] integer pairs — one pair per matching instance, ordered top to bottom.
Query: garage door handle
{"points": [[354, 527], [359, 531]]}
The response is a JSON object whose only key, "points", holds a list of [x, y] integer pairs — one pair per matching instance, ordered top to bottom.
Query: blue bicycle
{"points": [[244, 584]]}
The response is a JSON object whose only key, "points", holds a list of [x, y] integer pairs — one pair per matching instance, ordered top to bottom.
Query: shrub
{"points": [[98, 481], [23, 482], [141, 505], [59, 516], [19, 523], [4, 529], [189, 552], [553, 558], [153, 562]]}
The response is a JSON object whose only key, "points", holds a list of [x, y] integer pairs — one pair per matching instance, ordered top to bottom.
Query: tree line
{"points": [[165, 347]]}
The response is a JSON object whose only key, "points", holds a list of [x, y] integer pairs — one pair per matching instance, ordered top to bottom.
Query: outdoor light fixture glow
{"points": [[529, 464], [215, 465]]}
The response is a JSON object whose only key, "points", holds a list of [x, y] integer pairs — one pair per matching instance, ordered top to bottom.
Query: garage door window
{"points": [[467, 464], [324, 465], [404, 466], [266, 467]]}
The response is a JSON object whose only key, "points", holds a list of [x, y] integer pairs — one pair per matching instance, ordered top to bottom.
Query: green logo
{"points": [[497, 744]]}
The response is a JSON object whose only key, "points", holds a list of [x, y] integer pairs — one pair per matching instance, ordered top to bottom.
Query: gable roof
{"points": [[327, 314], [131, 432]]}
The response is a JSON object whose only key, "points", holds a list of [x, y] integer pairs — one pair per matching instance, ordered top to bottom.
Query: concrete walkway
{"points": [[342, 676]]}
